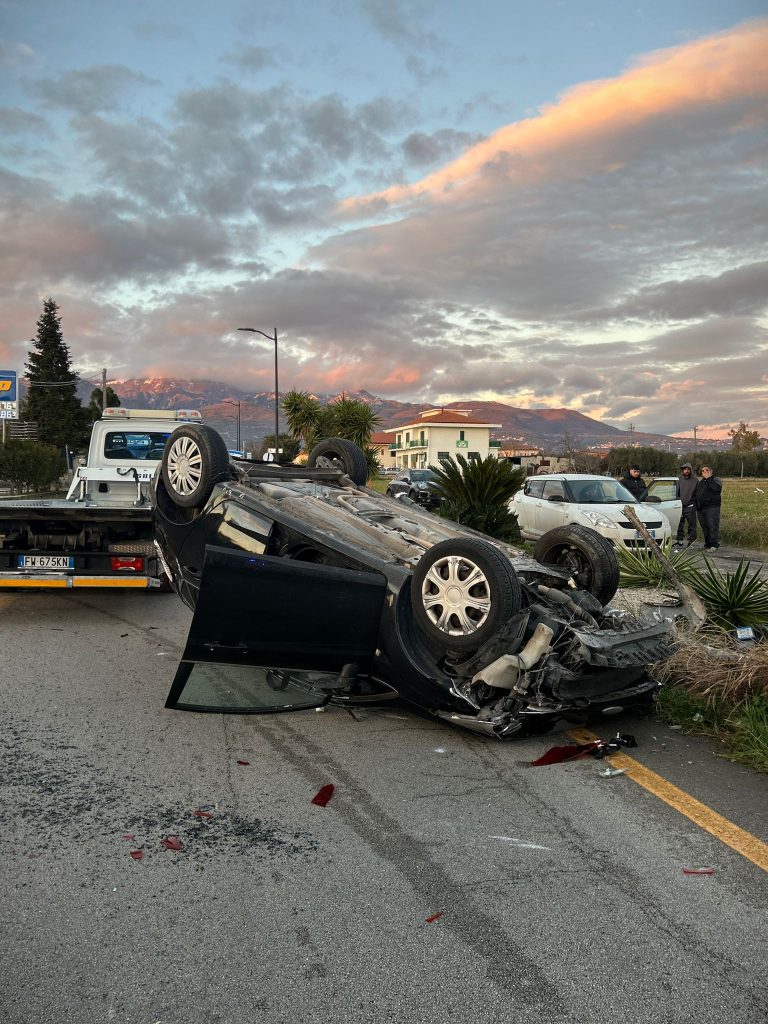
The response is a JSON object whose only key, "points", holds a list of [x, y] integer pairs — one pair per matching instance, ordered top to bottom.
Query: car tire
{"points": [[338, 453], [195, 459], [588, 556], [463, 592]]}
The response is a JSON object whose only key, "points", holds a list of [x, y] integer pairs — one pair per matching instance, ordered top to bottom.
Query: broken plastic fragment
{"points": [[597, 748], [555, 755], [243, 762], [609, 773], [323, 795], [202, 814], [128, 837], [171, 843], [137, 854], [698, 871], [434, 917]]}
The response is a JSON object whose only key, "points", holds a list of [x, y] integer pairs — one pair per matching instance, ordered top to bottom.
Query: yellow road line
{"points": [[743, 842]]}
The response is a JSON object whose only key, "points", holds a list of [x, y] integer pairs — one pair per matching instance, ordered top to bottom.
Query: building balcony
{"points": [[494, 444]]}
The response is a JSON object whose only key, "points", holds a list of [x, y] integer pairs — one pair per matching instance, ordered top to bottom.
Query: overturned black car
{"points": [[308, 587]]}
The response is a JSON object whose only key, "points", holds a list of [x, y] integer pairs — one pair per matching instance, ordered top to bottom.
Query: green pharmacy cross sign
{"points": [[462, 444]]}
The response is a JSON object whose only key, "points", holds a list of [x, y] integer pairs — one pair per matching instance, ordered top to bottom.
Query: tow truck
{"points": [[100, 535]]}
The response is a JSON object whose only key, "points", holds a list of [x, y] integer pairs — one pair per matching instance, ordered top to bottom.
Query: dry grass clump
{"points": [[715, 667]]}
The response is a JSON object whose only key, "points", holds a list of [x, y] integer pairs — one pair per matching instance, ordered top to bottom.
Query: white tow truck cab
{"points": [[125, 449], [100, 535]]}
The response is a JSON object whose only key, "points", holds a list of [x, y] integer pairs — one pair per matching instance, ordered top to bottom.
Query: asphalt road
{"points": [[561, 893]]}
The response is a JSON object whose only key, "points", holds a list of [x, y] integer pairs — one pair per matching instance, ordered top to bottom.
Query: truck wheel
{"points": [[338, 453], [194, 461], [587, 555], [463, 592]]}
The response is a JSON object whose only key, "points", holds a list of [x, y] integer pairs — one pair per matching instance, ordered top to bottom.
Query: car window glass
{"points": [[135, 444], [553, 487], [533, 488], [663, 489], [589, 491], [250, 689]]}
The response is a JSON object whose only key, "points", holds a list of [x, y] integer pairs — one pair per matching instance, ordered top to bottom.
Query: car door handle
{"points": [[236, 648]]}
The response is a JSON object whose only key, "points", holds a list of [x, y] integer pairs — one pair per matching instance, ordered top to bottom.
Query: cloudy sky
{"points": [[545, 203]]}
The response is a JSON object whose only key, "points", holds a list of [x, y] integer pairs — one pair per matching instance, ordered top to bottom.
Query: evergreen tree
{"points": [[97, 397], [51, 399]]}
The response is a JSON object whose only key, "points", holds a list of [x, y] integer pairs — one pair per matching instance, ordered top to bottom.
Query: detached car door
{"points": [[274, 634]]}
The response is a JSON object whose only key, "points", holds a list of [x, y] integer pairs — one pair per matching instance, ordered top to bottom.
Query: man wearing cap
{"points": [[634, 483], [686, 489]]}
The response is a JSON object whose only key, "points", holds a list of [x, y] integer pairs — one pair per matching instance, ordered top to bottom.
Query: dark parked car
{"points": [[416, 485], [308, 587]]}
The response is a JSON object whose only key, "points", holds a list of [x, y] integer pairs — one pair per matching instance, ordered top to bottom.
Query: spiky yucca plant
{"points": [[639, 567], [732, 598]]}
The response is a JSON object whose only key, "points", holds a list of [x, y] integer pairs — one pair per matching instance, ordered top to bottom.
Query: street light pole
{"points": [[270, 337], [232, 401]]}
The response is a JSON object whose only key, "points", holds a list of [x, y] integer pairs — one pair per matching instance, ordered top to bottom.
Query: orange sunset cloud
{"points": [[711, 72]]}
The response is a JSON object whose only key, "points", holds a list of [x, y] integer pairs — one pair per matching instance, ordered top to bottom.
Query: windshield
{"points": [[422, 474], [602, 491]]}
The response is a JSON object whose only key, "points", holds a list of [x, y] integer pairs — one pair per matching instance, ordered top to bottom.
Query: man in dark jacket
{"points": [[634, 483], [686, 490], [708, 495]]}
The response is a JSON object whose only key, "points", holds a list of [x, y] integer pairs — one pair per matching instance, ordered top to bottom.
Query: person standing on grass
{"points": [[686, 490], [707, 498]]}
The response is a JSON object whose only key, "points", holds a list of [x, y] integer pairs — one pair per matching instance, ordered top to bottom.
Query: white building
{"points": [[439, 434]]}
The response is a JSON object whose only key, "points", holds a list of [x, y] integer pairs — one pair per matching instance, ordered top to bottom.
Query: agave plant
{"points": [[639, 567], [732, 598]]}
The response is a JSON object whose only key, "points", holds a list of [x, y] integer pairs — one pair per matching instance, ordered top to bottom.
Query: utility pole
{"points": [[103, 390], [631, 435], [695, 439]]}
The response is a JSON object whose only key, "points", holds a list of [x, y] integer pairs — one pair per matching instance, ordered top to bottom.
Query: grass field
{"points": [[744, 515]]}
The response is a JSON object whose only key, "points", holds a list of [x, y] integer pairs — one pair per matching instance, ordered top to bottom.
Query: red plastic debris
{"points": [[568, 753], [243, 762], [323, 795], [202, 814], [128, 837], [171, 843], [137, 854], [698, 871], [434, 917]]}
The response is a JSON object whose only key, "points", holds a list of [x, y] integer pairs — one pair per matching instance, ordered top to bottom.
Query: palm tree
{"points": [[303, 414], [344, 417], [477, 494]]}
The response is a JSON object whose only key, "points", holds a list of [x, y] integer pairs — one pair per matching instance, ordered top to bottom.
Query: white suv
{"points": [[549, 501]]}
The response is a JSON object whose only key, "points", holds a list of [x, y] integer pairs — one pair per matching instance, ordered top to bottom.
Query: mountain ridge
{"points": [[540, 428]]}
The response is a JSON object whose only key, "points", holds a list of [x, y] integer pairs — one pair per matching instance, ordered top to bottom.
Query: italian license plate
{"points": [[651, 532], [46, 562]]}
